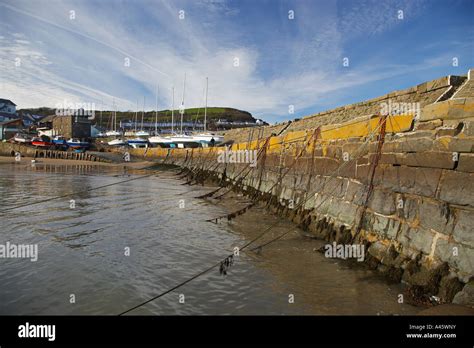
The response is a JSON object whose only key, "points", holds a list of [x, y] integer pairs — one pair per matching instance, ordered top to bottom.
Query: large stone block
{"points": [[438, 83], [449, 109], [429, 125], [468, 129], [406, 144], [453, 144], [333, 151], [420, 159], [466, 163], [325, 165], [347, 169], [364, 172], [420, 181], [317, 184], [335, 187], [457, 188], [355, 193], [382, 202], [322, 203], [407, 208], [348, 213], [436, 215], [384, 226], [464, 228], [418, 239], [378, 250], [458, 256], [466, 296]]}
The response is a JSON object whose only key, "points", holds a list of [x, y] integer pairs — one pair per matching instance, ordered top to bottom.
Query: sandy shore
{"points": [[294, 260]]}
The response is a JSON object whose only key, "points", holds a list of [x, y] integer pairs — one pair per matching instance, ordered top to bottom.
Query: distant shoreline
{"points": [[55, 161]]}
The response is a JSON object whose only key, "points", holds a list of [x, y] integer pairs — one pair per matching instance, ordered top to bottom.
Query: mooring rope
{"points": [[369, 137], [370, 186], [77, 192], [239, 212]]}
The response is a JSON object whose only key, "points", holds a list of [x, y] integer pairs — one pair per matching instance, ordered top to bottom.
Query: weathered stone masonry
{"points": [[418, 221]]}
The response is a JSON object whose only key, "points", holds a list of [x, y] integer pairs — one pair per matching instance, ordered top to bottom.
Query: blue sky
{"points": [[282, 61]]}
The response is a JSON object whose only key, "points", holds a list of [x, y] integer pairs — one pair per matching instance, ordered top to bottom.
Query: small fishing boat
{"points": [[22, 138], [59, 140], [42, 141], [117, 142], [75, 143], [137, 143]]}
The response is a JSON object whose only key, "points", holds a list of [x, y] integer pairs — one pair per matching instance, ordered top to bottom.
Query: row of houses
{"points": [[9, 121], [69, 126]]}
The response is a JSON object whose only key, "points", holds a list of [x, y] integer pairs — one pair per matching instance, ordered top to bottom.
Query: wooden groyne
{"points": [[10, 149]]}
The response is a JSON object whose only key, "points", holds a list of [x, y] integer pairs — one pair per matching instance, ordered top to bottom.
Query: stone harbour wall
{"points": [[424, 94], [402, 185]]}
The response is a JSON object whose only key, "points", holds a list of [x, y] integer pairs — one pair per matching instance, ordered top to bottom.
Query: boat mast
{"points": [[205, 106], [101, 107], [181, 111], [143, 112], [156, 112], [172, 114], [114, 116], [136, 118]]}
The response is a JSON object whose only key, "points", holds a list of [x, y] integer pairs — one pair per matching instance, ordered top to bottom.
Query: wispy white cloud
{"points": [[84, 59]]}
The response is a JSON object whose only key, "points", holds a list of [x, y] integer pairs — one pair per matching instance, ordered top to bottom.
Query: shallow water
{"points": [[82, 252]]}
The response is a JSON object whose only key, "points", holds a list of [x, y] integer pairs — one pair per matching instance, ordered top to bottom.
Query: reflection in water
{"points": [[123, 244]]}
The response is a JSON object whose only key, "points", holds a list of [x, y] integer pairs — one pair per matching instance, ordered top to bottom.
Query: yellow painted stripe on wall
{"points": [[292, 140]]}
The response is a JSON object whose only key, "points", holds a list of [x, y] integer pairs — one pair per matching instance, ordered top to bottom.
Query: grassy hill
{"points": [[193, 114]]}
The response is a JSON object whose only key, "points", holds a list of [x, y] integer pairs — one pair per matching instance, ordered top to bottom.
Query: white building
{"points": [[7, 110]]}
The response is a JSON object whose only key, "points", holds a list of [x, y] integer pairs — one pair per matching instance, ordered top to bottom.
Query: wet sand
{"points": [[325, 286]]}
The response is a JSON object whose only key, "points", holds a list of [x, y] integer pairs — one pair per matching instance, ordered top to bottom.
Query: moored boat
{"points": [[112, 133], [142, 133], [22, 138], [207, 138], [59, 140], [42, 141], [160, 141], [184, 141], [117, 142], [77, 143], [137, 143]]}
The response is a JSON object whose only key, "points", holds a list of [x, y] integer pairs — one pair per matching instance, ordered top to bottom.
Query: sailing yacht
{"points": [[114, 132], [141, 132], [207, 138], [157, 139], [183, 140], [139, 141], [117, 142]]}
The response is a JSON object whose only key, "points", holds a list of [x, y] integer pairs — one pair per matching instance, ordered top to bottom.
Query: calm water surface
{"points": [[82, 252]]}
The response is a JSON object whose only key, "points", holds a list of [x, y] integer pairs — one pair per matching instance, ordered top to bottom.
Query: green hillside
{"points": [[193, 114]]}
